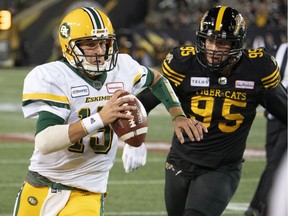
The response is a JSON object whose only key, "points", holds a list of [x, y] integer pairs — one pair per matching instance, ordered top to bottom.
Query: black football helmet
{"points": [[221, 23]]}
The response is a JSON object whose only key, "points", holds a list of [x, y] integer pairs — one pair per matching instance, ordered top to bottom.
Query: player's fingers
{"points": [[117, 93], [115, 96], [116, 100], [123, 100], [125, 107], [124, 112], [179, 126], [188, 126], [193, 128], [201, 128], [196, 130], [192, 132], [179, 135]]}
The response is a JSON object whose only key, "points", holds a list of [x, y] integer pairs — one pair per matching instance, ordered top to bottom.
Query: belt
{"points": [[37, 180]]}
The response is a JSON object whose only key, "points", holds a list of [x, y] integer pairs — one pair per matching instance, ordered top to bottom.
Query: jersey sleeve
{"points": [[281, 58], [176, 63], [269, 73], [141, 75], [143, 78], [43, 92], [273, 94], [275, 102]]}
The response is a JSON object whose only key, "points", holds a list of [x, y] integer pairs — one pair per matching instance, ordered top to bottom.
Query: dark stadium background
{"points": [[147, 29]]}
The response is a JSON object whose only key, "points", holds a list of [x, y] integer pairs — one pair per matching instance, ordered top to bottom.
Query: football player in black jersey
{"points": [[219, 83]]}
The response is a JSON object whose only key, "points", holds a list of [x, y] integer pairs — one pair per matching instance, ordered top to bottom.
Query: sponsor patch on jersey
{"points": [[200, 81], [242, 84], [114, 86], [79, 91]]}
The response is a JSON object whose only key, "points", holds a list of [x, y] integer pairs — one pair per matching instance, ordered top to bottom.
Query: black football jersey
{"points": [[226, 105]]}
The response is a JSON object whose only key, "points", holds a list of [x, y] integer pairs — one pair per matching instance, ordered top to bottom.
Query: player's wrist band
{"points": [[178, 115], [92, 123]]}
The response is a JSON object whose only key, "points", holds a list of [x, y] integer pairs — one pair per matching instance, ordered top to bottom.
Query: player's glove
{"points": [[133, 157]]}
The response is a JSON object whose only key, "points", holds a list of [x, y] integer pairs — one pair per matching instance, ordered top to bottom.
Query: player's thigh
{"points": [[176, 189], [211, 192], [29, 200], [84, 203]]}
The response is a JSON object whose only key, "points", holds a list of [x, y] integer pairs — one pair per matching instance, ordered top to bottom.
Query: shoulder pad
{"points": [[183, 53], [180, 57], [177, 63], [265, 65]]}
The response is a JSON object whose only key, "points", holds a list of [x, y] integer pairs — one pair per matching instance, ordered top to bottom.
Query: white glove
{"points": [[133, 157]]}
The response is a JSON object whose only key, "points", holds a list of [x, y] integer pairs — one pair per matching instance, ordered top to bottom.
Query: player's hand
{"points": [[113, 109], [193, 128], [133, 157]]}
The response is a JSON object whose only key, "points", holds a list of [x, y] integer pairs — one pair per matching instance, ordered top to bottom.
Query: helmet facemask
{"points": [[232, 29], [232, 55], [80, 59]]}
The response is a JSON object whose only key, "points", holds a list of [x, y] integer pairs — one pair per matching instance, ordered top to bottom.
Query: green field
{"points": [[138, 193]]}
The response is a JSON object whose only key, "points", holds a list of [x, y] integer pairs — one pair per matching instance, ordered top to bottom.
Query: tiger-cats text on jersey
{"points": [[226, 105]]}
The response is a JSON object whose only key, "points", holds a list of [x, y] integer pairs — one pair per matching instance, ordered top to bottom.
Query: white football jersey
{"points": [[56, 88]]}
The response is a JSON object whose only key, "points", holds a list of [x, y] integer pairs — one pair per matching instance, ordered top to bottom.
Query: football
{"points": [[132, 131]]}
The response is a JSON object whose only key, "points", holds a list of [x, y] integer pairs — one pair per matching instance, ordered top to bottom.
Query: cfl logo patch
{"points": [[65, 30], [32, 200]]}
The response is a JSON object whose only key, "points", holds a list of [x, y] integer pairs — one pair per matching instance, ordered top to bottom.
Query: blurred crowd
{"points": [[186, 13], [167, 24], [162, 28]]}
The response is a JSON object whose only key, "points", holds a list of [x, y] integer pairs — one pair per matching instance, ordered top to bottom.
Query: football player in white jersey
{"points": [[75, 100]]}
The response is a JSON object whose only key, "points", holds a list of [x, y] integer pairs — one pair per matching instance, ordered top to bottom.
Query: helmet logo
{"points": [[202, 21], [240, 24], [65, 30], [169, 58]]}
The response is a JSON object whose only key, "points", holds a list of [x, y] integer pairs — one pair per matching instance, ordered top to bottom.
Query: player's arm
{"points": [[162, 89], [274, 95], [148, 99], [275, 102], [52, 134]]}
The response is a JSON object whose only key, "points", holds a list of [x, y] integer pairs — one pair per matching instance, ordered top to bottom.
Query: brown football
{"points": [[132, 131]]}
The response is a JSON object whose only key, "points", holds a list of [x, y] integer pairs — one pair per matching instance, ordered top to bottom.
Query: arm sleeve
{"points": [[148, 99], [275, 101], [51, 133], [52, 139]]}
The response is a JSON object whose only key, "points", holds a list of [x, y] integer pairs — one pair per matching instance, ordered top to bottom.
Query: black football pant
{"points": [[205, 195]]}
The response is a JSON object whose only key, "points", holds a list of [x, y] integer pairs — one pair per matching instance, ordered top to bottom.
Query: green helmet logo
{"points": [[65, 30]]}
